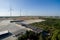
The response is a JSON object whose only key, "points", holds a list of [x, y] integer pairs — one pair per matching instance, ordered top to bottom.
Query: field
{"points": [[52, 26]]}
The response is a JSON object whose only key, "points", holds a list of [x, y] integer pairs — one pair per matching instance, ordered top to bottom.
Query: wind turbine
{"points": [[10, 6], [10, 11], [20, 12]]}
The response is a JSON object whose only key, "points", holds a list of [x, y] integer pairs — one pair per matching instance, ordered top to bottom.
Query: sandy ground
{"points": [[32, 21], [6, 25], [11, 27], [15, 28]]}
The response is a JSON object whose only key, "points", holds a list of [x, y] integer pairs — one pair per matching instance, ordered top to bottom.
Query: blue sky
{"points": [[30, 7]]}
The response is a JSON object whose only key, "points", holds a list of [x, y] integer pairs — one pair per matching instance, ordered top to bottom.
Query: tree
{"points": [[55, 33], [29, 35]]}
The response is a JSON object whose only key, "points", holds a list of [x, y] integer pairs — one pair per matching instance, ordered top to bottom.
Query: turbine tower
{"points": [[10, 11], [20, 12]]}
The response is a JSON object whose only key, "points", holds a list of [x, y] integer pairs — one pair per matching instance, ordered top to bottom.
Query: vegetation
{"points": [[50, 25], [51, 31], [29, 35]]}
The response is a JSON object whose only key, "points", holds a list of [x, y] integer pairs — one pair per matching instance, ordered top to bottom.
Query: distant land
{"points": [[30, 16]]}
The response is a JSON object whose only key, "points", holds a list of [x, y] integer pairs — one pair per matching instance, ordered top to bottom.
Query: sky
{"points": [[30, 7]]}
